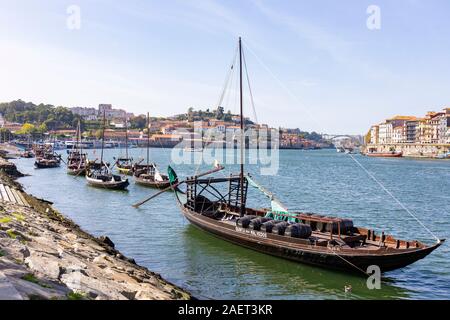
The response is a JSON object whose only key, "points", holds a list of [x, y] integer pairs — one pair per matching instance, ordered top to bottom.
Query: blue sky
{"points": [[313, 64]]}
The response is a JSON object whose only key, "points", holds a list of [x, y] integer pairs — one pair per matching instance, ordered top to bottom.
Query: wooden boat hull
{"points": [[385, 155], [46, 165], [126, 171], [77, 172], [152, 184], [111, 185], [307, 254]]}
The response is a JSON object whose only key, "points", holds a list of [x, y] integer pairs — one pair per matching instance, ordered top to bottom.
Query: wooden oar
{"points": [[60, 158], [173, 186]]}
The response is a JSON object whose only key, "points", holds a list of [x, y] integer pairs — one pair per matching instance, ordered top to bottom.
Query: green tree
{"points": [[219, 113], [138, 122], [27, 128], [42, 128]]}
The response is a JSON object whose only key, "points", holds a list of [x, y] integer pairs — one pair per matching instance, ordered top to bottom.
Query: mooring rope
{"points": [[393, 197]]}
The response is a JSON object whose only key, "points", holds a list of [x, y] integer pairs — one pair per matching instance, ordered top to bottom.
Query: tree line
{"points": [[41, 117]]}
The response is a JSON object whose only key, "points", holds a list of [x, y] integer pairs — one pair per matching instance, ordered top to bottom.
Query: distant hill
{"points": [[28, 112]]}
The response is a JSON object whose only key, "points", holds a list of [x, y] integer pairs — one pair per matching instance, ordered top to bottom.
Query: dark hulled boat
{"points": [[391, 154], [46, 158], [77, 160], [47, 162], [77, 163], [125, 164], [99, 174], [148, 174], [218, 206], [313, 239]]}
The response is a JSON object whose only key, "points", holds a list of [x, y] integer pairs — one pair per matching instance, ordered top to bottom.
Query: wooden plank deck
{"points": [[4, 194], [12, 195], [16, 196], [25, 202]]}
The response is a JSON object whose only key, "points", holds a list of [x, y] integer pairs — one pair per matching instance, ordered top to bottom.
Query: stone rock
{"points": [[106, 240], [44, 265]]}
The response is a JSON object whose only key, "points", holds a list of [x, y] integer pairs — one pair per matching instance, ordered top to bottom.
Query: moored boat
{"points": [[392, 154], [47, 158], [77, 160], [47, 163], [125, 164], [99, 174], [148, 174], [101, 177]]}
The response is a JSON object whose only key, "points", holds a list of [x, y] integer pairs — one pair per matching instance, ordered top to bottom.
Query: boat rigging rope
{"points": [[227, 79], [249, 88], [393, 197], [353, 265]]}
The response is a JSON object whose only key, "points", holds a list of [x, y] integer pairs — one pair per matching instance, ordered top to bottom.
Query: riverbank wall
{"points": [[411, 149], [44, 255]]}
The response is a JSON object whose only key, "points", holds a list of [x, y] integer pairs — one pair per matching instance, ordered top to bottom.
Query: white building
{"points": [[110, 113], [89, 114], [444, 127], [385, 133], [374, 134], [399, 134]]}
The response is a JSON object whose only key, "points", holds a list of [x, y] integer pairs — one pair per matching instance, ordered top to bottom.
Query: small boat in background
{"points": [[27, 153], [391, 154], [443, 156], [46, 157], [49, 160], [77, 160], [125, 164], [99, 174], [148, 174]]}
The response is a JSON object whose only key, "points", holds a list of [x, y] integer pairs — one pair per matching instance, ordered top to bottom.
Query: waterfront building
{"points": [[444, 127], [385, 133], [374, 134], [399, 134], [412, 135], [422, 137]]}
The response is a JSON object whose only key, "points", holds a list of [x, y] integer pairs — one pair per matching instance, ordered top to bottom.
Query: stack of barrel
{"points": [[346, 225], [282, 228]]}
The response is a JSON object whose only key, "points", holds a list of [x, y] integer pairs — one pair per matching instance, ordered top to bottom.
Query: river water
{"points": [[320, 181]]}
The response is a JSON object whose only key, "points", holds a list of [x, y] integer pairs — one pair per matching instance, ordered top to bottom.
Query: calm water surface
{"points": [[322, 181]]}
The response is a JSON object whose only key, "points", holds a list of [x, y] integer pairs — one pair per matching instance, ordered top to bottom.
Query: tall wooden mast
{"points": [[103, 136], [126, 137], [148, 138], [242, 207]]}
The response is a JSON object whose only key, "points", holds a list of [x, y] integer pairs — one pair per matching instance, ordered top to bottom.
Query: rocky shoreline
{"points": [[44, 255]]}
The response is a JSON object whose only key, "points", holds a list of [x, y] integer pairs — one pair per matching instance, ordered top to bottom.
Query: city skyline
{"points": [[318, 61]]}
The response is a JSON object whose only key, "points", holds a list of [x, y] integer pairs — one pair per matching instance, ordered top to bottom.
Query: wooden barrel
{"points": [[245, 221], [256, 223], [268, 226], [319, 226], [346, 226], [280, 228], [298, 230]]}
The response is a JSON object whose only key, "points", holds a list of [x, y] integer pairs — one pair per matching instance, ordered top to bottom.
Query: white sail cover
{"points": [[158, 176], [276, 205]]}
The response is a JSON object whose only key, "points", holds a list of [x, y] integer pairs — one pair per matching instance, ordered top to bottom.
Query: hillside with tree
{"points": [[40, 116]]}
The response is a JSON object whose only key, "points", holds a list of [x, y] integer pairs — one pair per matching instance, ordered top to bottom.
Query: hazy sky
{"points": [[313, 64]]}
